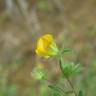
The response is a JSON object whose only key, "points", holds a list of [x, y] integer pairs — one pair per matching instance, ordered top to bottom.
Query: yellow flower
{"points": [[46, 46]]}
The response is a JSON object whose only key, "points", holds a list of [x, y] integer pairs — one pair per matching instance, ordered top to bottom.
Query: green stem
{"points": [[67, 78], [71, 85]]}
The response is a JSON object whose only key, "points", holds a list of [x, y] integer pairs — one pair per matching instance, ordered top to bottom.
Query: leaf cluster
{"points": [[70, 69]]}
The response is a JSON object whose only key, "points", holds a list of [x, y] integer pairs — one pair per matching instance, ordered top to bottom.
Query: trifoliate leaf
{"points": [[70, 69]]}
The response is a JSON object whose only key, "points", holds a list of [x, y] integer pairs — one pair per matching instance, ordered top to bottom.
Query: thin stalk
{"points": [[68, 80], [71, 85]]}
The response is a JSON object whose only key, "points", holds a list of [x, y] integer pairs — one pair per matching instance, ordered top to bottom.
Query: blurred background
{"points": [[22, 22]]}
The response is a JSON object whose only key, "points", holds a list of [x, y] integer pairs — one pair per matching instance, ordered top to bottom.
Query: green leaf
{"points": [[66, 50], [70, 69], [54, 88], [57, 91], [80, 93], [56, 94]]}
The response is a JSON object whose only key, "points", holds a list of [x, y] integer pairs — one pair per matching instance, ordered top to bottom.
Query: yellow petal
{"points": [[47, 39], [43, 45], [40, 47]]}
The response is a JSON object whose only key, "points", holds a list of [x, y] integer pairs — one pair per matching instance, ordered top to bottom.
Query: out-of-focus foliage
{"points": [[39, 73]]}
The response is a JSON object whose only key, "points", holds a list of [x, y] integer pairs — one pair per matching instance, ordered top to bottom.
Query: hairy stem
{"points": [[67, 78], [71, 85]]}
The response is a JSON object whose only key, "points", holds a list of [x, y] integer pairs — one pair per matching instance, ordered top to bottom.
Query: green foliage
{"points": [[66, 50], [70, 69], [39, 73], [56, 91], [59, 91], [80, 93], [56, 94]]}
